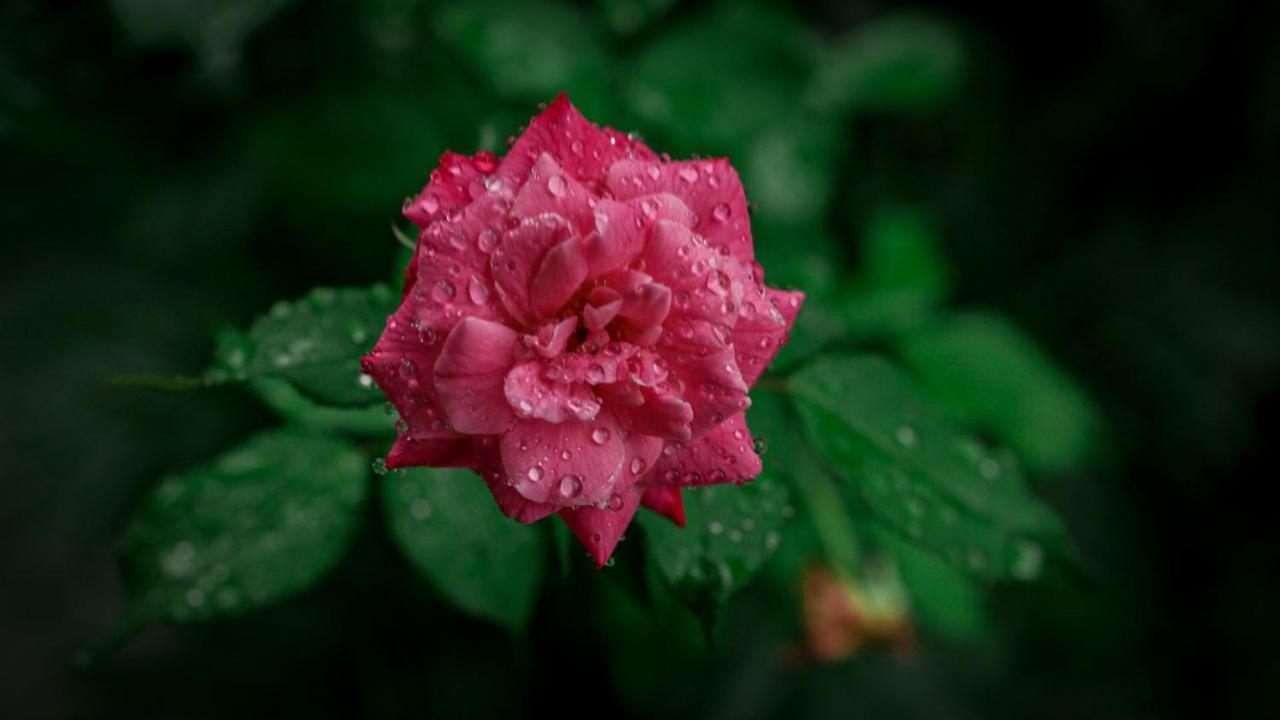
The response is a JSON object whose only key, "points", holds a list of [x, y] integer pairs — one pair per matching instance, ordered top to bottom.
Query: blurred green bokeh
{"points": [[1064, 228]]}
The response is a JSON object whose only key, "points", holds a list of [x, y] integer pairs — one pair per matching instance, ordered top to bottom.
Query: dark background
{"points": [[1107, 174]]}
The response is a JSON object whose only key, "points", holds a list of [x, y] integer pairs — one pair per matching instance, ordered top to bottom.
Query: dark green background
{"points": [[1106, 174]]}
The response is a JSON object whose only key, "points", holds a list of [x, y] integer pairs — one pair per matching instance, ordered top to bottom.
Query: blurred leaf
{"points": [[626, 17], [214, 30], [529, 50], [899, 63], [711, 82], [346, 151], [903, 275], [315, 343], [997, 378], [296, 408], [773, 421], [921, 474], [260, 523], [448, 526], [730, 532], [945, 600]]}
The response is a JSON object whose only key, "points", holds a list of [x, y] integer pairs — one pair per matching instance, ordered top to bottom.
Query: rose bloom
{"points": [[580, 325]]}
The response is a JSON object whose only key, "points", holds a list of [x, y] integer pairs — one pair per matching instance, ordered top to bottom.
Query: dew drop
{"points": [[688, 174], [556, 185], [720, 212], [487, 240], [444, 291], [477, 291], [600, 435], [906, 436], [637, 465], [535, 473], [570, 486], [615, 502]]}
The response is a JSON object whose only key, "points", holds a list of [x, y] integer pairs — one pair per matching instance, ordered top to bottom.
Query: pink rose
{"points": [[580, 325]]}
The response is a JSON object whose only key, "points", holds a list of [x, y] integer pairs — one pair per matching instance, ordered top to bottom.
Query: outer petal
{"points": [[584, 150], [452, 185], [710, 188], [551, 190], [618, 238], [761, 331], [402, 364], [469, 376], [714, 386], [408, 452], [725, 454], [568, 464], [666, 501], [513, 504], [600, 530]]}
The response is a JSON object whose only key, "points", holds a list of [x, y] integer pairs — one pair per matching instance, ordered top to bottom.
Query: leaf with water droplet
{"points": [[315, 343], [993, 375], [937, 489], [262, 522], [447, 525], [730, 532]]}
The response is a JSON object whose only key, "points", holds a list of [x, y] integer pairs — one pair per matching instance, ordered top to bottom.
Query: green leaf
{"points": [[626, 17], [529, 50], [903, 63], [712, 82], [903, 275], [315, 343], [999, 379], [296, 408], [773, 421], [921, 474], [260, 523], [449, 527], [729, 534], [944, 600]]}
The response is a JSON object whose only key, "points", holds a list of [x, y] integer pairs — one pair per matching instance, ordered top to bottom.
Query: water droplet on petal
{"points": [[556, 185], [720, 212], [477, 291], [600, 435], [637, 465], [535, 473], [570, 486], [615, 502]]}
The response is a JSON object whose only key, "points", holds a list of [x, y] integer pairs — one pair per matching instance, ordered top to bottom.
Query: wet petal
{"points": [[584, 150], [710, 188], [763, 324], [469, 376], [725, 454], [569, 464], [666, 501], [600, 530]]}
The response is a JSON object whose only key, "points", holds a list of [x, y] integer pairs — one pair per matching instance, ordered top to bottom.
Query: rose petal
{"points": [[584, 150], [449, 188], [710, 188], [550, 190], [618, 237], [519, 257], [558, 278], [763, 324], [469, 376], [535, 392], [408, 452], [724, 454], [568, 464], [666, 501], [511, 503], [600, 530]]}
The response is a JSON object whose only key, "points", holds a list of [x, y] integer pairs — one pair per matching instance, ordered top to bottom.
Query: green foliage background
{"points": [[1025, 406]]}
